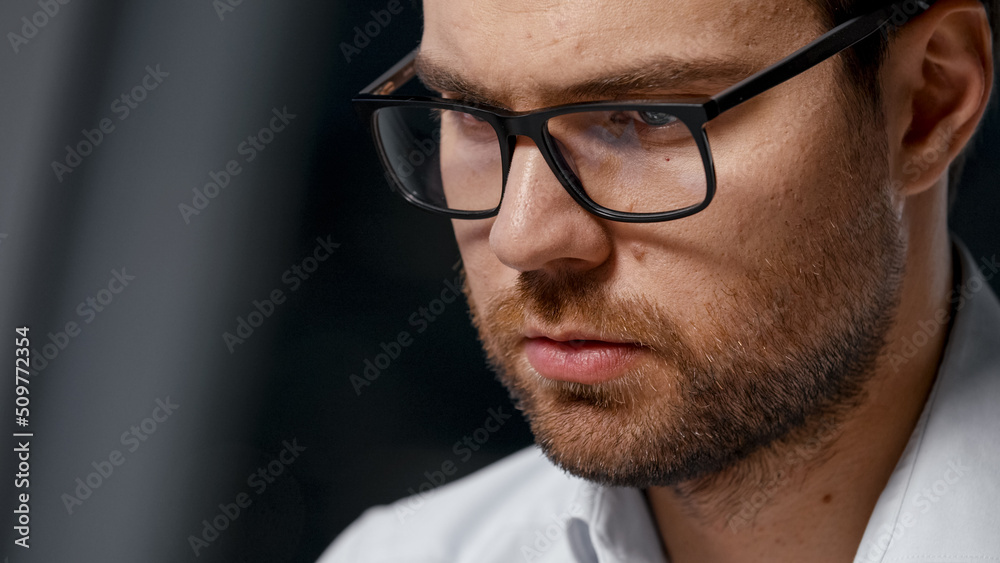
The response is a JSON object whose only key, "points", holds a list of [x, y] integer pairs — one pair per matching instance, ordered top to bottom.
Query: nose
{"points": [[539, 225]]}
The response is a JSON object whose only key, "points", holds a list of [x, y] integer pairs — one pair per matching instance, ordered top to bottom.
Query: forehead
{"points": [[542, 45]]}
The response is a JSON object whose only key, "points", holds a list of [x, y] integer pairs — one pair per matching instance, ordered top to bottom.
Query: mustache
{"points": [[579, 301]]}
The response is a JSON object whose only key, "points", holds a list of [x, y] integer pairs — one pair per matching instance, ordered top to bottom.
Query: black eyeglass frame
{"points": [[695, 114]]}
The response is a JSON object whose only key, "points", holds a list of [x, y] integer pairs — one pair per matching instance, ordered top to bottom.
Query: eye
{"points": [[437, 114], [473, 117], [656, 118]]}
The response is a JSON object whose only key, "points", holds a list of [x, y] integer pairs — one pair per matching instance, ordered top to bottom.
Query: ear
{"points": [[936, 78]]}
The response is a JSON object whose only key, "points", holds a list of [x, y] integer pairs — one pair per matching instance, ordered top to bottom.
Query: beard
{"points": [[782, 355]]}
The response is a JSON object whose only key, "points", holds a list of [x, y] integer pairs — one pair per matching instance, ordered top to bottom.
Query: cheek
{"points": [[780, 170], [780, 186]]}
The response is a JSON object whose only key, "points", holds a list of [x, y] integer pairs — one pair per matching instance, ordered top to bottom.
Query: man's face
{"points": [[651, 354]]}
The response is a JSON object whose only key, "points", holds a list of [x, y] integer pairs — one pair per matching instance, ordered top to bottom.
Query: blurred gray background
{"points": [[179, 87]]}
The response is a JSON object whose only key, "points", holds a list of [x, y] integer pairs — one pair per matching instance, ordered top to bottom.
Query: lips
{"points": [[574, 357]]}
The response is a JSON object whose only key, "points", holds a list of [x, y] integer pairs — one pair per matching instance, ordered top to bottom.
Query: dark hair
{"points": [[863, 61]]}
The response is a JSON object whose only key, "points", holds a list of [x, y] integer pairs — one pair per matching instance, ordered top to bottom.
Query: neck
{"points": [[809, 497]]}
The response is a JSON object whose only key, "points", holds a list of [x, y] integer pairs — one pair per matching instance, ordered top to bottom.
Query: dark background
{"points": [[163, 335]]}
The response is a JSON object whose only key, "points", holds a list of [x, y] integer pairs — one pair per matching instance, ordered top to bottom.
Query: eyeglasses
{"points": [[631, 161]]}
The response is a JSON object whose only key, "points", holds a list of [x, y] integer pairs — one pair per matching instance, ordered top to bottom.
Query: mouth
{"points": [[580, 359]]}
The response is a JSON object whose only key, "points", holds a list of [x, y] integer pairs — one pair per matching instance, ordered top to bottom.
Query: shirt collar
{"points": [[940, 502], [614, 525]]}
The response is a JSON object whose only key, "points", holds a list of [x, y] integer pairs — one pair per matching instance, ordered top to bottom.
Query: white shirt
{"points": [[941, 504]]}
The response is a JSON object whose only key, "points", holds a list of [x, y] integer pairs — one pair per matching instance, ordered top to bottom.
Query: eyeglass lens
{"points": [[637, 161]]}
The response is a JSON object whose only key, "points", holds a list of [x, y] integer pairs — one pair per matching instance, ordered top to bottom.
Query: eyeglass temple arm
{"points": [[845, 35], [834, 41], [395, 77]]}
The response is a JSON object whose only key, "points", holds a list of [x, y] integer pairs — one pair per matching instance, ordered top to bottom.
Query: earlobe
{"points": [[938, 75]]}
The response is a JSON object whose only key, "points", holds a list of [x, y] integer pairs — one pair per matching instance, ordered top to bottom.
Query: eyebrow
{"points": [[665, 74]]}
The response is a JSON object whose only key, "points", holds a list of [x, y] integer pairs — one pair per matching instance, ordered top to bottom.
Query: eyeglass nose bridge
{"points": [[520, 125], [514, 126], [534, 127], [510, 128]]}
